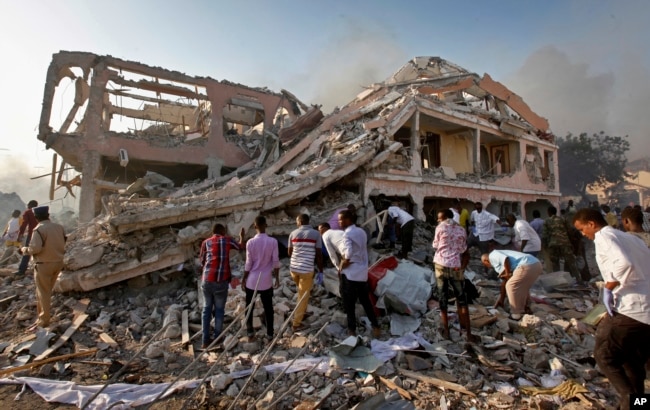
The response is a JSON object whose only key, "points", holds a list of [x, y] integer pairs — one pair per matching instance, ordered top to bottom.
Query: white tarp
{"points": [[410, 284], [118, 396], [122, 396]]}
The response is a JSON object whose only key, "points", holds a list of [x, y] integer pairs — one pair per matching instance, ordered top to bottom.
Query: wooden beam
{"points": [[64, 337], [108, 340], [50, 360], [436, 382], [405, 394]]}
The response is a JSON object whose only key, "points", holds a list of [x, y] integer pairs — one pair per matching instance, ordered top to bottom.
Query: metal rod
{"points": [[313, 337], [266, 353], [197, 358], [211, 369], [119, 372], [296, 384]]}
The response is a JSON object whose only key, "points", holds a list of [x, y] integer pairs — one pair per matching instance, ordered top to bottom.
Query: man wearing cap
{"points": [[28, 224], [47, 247]]}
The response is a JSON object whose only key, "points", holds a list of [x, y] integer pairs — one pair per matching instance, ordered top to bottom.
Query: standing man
{"points": [[571, 209], [461, 215], [610, 216], [334, 219], [632, 220], [29, 223], [484, 223], [537, 223], [407, 225], [10, 236], [525, 239], [556, 240], [333, 242], [450, 244], [305, 245], [47, 247], [215, 262], [262, 265], [518, 271], [354, 273], [623, 335]]}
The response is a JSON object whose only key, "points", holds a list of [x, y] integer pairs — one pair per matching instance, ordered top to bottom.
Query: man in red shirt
{"points": [[29, 223], [215, 260]]}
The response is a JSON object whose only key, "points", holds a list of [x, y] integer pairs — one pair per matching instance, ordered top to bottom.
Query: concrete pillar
{"points": [[476, 150], [416, 160], [90, 197], [418, 206]]}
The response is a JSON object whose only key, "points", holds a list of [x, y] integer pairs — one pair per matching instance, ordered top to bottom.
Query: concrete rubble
{"points": [[431, 132], [546, 348]]}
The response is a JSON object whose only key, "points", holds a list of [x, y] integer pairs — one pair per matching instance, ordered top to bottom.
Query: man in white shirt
{"points": [[484, 223], [407, 225], [10, 236], [525, 238], [333, 242], [353, 274], [623, 335]]}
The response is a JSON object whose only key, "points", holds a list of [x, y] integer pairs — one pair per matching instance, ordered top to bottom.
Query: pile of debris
{"points": [[146, 333]]}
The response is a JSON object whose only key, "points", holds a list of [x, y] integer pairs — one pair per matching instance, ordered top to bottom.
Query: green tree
{"points": [[597, 161]]}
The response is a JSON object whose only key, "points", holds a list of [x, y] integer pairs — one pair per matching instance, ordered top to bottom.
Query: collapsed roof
{"points": [[358, 147]]}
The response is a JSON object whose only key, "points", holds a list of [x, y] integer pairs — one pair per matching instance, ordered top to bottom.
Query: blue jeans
{"points": [[214, 294]]}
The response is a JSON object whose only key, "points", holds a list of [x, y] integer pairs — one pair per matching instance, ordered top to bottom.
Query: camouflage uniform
{"points": [[555, 238]]}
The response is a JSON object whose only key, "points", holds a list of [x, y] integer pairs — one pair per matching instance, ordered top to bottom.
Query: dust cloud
{"points": [[349, 61], [576, 97], [16, 177]]}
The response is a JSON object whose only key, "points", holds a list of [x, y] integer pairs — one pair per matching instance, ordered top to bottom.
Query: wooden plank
{"points": [[6, 301], [80, 307], [185, 329], [64, 337], [108, 340], [50, 360], [436, 382], [405, 394]]}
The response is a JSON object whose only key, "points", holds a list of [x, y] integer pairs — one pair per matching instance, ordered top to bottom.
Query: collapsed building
{"points": [[208, 150]]}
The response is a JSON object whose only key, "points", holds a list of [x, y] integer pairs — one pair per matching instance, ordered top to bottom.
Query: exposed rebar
{"points": [[311, 338], [119, 372]]}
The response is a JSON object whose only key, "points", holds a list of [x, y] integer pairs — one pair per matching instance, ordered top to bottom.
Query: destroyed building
{"points": [[134, 118], [431, 132], [150, 222]]}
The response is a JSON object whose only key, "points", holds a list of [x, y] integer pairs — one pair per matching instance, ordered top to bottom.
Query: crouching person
{"points": [[518, 271]]}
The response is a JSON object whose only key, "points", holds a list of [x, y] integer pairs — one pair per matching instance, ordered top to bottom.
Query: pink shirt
{"points": [[449, 241], [261, 259]]}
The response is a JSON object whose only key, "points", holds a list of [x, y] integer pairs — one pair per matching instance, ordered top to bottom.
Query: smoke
{"points": [[355, 55], [576, 98], [16, 177]]}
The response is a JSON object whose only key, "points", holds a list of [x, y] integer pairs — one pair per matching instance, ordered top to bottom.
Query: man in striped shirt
{"points": [[305, 245], [215, 261]]}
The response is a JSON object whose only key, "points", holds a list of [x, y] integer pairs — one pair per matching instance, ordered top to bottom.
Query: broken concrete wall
{"points": [[132, 118]]}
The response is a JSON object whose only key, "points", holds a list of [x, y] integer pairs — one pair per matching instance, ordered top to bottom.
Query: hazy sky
{"points": [[584, 65]]}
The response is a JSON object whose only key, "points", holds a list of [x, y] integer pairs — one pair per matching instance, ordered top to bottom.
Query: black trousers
{"points": [[406, 232], [351, 291], [267, 303], [621, 352]]}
